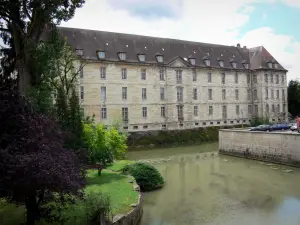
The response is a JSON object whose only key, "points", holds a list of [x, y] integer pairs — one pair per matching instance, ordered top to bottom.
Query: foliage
{"points": [[22, 25], [294, 97], [62, 111], [259, 121], [104, 144], [33, 161], [118, 165], [146, 176]]}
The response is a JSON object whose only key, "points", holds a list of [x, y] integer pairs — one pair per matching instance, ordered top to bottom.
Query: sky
{"points": [[271, 23]]}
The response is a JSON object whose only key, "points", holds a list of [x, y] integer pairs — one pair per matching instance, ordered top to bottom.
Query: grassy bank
{"points": [[166, 138], [112, 183]]}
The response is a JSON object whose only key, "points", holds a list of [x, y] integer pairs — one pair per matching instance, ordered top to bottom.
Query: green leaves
{"points": [[294, 97]]}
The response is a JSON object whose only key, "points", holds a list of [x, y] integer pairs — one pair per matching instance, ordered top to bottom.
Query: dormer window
{"points": [[79, 52], [101, 54], [122, 56], [142, 57], [160, 58], [192, 60], [206, 61], [221, 63], [233, 63], [245, 64], [270, 64], [276, 65]]}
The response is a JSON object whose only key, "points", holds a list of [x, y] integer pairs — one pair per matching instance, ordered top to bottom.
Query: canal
{"points": [[205, 188]]}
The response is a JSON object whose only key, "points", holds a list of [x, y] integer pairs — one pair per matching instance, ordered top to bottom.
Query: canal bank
{"points": [[276, 147], [205, 188]]}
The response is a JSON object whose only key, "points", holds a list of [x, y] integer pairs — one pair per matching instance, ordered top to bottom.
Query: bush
{"points": [[259, 121], [146, 176]]}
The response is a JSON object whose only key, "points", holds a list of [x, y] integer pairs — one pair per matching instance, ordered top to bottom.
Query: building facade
{"points": [[149, 83]]}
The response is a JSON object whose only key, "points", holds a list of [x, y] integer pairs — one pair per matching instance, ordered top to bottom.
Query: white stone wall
{"points": [[92, 102]]}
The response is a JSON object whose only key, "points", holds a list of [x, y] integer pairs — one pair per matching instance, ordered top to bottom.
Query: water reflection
{"points": [[204, 188]]}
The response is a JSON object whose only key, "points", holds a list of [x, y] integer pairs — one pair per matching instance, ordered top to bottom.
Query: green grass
{"points": [[117, 166], [114, 184]]}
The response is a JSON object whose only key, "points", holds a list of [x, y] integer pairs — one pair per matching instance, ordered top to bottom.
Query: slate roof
{"points": [[92, 41]]}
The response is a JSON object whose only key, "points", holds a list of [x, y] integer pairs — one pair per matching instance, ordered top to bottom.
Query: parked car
{"points": [[281, 126], [262, 127], [293, 127]]}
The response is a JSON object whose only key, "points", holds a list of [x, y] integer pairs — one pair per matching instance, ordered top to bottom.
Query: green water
{"points": [[205, 188]]}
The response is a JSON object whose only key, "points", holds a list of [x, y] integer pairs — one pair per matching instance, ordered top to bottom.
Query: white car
{"points": [[293, 127]]}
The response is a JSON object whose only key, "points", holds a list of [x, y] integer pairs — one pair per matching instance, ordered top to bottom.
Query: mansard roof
{"points": [[91, 41]]}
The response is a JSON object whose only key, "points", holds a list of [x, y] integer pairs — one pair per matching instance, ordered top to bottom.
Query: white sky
{"points": [[212, 21]]}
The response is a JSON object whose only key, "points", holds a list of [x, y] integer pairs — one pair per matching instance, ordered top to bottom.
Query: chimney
{"points": [[238, 45], [245, 47]]}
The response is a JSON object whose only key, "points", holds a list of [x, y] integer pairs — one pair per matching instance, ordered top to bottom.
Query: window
{"points": [[79, 52], [101, 54], [122, 55], [141, 57], [160, 58], [192, 61], [207, 62], [221, 63], [233, 64], [269, 64], [246, 65], [81, 72], [102, 72], [124, 73], [143, 74], [161, 74], [194, 75], [179, 76], [209, 77], [223, 78], [236, 78], [248, 78], [254, 78], [266, 78], [272, 78], [282, 78], [277, 79], [81, 92], [103, 93], [124, 93], [162, 93], [179, 93], [195, 93], [267, 93], [144, 94], [209, 94], [223, 94], [236, 94], [249, 94], [255, 94], [272, 94], [277, 94], [283, 94], [267, 108], [273, 108], [278, 108], [144, 109], [249, 109], [256, 109], [195, 110], [210, 110], [237, 110], [163, 111], [180, 111], [224, 111], [103, 113], [125, 114], [145, 126], [135, 127]]}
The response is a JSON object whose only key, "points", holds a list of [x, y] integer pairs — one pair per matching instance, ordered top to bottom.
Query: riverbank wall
{"points": [[169, 138], [275, 147]]}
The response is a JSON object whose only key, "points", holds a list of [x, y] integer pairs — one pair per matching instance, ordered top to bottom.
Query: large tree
{"points": [[22, 24], [294, 97], [33, 161]]}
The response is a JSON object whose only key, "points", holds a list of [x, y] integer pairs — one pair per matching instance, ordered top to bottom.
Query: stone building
{"points": [[150, 83]]}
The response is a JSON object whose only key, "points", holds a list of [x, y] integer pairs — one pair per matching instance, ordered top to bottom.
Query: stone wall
{"points": [[283, 148], [134, 216]]}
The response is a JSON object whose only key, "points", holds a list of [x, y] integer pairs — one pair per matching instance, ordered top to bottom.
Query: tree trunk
{"points": [[24, 78], [31, 208]]}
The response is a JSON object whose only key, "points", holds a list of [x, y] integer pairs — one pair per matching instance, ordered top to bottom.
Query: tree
{"points": [[22, 25], [294, 97], [33, 161]]}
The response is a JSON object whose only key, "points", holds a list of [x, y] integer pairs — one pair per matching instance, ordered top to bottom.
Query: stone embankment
{"points": [[276, 147], [133, 217]]}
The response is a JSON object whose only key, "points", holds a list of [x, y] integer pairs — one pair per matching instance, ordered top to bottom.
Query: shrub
{"points": [[259, 121], [146, 176]]}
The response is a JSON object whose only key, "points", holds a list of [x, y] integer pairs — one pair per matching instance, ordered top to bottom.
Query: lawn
{"points": [[117, 166], [114, 184]]}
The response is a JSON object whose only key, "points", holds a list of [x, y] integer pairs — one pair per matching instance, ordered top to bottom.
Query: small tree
{"points": [[32, 158]]}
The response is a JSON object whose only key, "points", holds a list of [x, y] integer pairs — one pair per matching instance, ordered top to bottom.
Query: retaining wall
{"points": [[276, 147]]}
